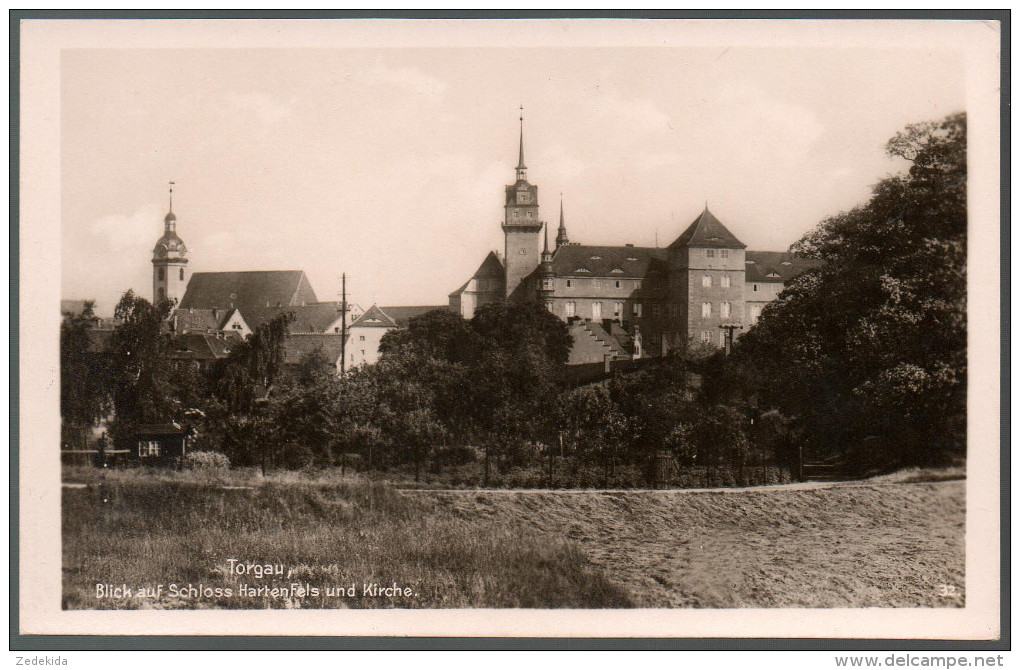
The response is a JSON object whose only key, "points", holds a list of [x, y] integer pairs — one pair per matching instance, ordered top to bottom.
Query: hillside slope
{"points": [[879, 545]]}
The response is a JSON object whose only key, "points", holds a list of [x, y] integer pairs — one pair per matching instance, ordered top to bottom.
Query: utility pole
{"points": [[343, 323], [729, 328]]}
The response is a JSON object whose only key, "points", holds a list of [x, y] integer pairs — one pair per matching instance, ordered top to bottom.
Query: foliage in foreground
{"points": [[868, 350], [142, 531]]}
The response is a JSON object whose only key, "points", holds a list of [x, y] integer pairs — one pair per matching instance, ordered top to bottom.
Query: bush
{"points": [[206, 460]]}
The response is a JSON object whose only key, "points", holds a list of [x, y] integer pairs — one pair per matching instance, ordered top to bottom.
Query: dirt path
{"points": [[819, 544]]}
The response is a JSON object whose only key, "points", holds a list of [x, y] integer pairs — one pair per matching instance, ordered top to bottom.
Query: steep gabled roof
{"points": [[707, 231], [575, 260], [775, 266], [491, 268], [258, 294], [374, 318]]}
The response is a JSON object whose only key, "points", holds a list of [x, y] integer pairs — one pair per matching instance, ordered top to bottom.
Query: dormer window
{"points": [[596, 258], [632, 259], [582, 270], [617, 271]]}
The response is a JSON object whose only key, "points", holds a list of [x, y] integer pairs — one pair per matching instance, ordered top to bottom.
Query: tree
{"points": [[519, 326], [440, 334], [873, 341], [141, 372], [84, 383], [243, 383], [594, 424]]}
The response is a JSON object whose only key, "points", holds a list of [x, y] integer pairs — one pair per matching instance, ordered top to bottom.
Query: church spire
{"points": [[521, 167], [170, 220], [561, 234]]}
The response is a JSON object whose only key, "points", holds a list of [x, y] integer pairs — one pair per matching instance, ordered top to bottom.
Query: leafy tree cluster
{"points": [[868, 351]]}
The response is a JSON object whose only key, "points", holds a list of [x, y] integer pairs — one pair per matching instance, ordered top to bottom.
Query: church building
{"points": [[628, 301]]}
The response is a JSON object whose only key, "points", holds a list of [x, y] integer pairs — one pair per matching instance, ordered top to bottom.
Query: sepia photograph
{"points": [[573, 317]]}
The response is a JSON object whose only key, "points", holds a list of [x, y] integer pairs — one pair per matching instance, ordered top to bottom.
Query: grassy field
{"points": [[151, 530], [881, 544]]}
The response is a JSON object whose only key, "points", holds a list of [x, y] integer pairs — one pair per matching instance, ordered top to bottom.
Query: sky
{"points": [[389, 164]]}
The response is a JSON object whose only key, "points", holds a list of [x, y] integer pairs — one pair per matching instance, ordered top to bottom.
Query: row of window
{"points": [[723, 253], [724, 281], [549, 283], [570, 309], [707, 309], [724, 309], [706, 337]]}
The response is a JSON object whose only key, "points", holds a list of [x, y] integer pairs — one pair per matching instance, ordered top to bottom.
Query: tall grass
{"points": [[139, 528]]}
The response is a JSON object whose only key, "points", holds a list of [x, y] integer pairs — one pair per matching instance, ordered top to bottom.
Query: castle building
{"points": [[628, 301]]}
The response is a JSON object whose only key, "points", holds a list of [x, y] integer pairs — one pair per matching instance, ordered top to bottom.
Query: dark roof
{"points": [[707, 231], [574, 259], [775, 266], [491, 267], [258, 294], [73, 307], [401, 315], [309, 318], [374, 318], [201, 320], [299, 345], [202, 346]]}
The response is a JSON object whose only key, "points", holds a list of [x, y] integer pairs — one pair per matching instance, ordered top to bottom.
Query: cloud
{"points": [[123, 232]]}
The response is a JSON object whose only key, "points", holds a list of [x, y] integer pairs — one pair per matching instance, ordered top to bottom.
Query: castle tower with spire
{"points": [[521, 225], [561, 234], [169, 261]]}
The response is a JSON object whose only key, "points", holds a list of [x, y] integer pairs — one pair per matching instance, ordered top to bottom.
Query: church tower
{"points": [[521, 225], [169, 261]]}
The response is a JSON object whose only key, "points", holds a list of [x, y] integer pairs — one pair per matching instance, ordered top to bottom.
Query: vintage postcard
{"points": [[531, 328]]}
